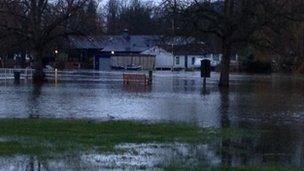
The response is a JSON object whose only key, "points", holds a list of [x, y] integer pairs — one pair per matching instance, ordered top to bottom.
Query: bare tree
{"points": [[112, 16], [138, 16], [236, 23], [36, 24]]}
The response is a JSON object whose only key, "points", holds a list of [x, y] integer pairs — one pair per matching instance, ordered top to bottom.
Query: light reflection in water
{"points": [[131, 156]]}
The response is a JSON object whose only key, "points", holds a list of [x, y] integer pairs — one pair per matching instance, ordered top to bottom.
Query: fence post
{"points": [[5, 74], [26, 74], [17, 75], [56, 76], [150, 76]]}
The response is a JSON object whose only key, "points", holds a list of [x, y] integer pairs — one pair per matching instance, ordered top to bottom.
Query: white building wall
{"points": [[163, 59], [179, 61], [194, 61]]}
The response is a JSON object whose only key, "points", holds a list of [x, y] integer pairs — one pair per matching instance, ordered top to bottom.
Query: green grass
{"points": [[25, 136], [45, 138]]}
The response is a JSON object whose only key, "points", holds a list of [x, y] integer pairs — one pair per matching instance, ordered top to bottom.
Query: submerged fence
{"points": [[8, 73], [69, 75]]}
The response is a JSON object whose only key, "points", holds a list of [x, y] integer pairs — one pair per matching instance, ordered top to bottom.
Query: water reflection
{"points": [[136, 88], [33, 101], [224, 108], [225, 123]]}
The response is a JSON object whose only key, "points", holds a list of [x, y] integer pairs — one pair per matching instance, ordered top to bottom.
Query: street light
{"points": [[56, 51]]}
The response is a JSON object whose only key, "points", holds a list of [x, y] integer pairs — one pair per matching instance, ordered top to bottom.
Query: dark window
{"points": [[216, 57], [177, 60], [193, 61]]}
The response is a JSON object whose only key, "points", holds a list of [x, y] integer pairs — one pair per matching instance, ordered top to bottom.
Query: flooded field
{"points": [[271, 105], [139, 156]]}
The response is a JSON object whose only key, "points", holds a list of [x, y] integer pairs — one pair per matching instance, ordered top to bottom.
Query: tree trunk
{"points": [[226, 44], [225, 66], [38, 75]]}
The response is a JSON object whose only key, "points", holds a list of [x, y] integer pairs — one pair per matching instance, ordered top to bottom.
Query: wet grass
{"points": [[47, 137]]}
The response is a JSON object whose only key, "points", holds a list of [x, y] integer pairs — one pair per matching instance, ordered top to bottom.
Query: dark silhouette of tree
{"points": [[112, 16], [139, 17], [87, 20], [237, 23], [36, 24]]}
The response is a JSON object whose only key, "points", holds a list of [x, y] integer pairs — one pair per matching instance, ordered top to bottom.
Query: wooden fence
{"points": [[147, 62], [72, 75], [135, 79]]}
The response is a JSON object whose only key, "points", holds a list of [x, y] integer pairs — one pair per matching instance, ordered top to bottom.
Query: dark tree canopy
{"points": [[139, 17], [235, 24], [35, 25]]}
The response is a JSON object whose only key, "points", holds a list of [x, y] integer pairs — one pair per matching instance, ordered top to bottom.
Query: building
{"points": [[124, 47], [82, 51], [98, 52], [108, 52], [175, 57], [186, 57], [164, 60], [146, 62]]}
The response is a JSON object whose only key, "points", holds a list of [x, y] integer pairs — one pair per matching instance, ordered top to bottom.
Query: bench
{"points": [[135, 79]]}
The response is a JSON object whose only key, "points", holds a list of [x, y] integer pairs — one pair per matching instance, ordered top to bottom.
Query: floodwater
{"points": [[259, 102]]}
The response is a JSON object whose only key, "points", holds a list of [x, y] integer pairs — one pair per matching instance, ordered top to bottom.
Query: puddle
{"points": [[154, 155], [127, 156]]}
